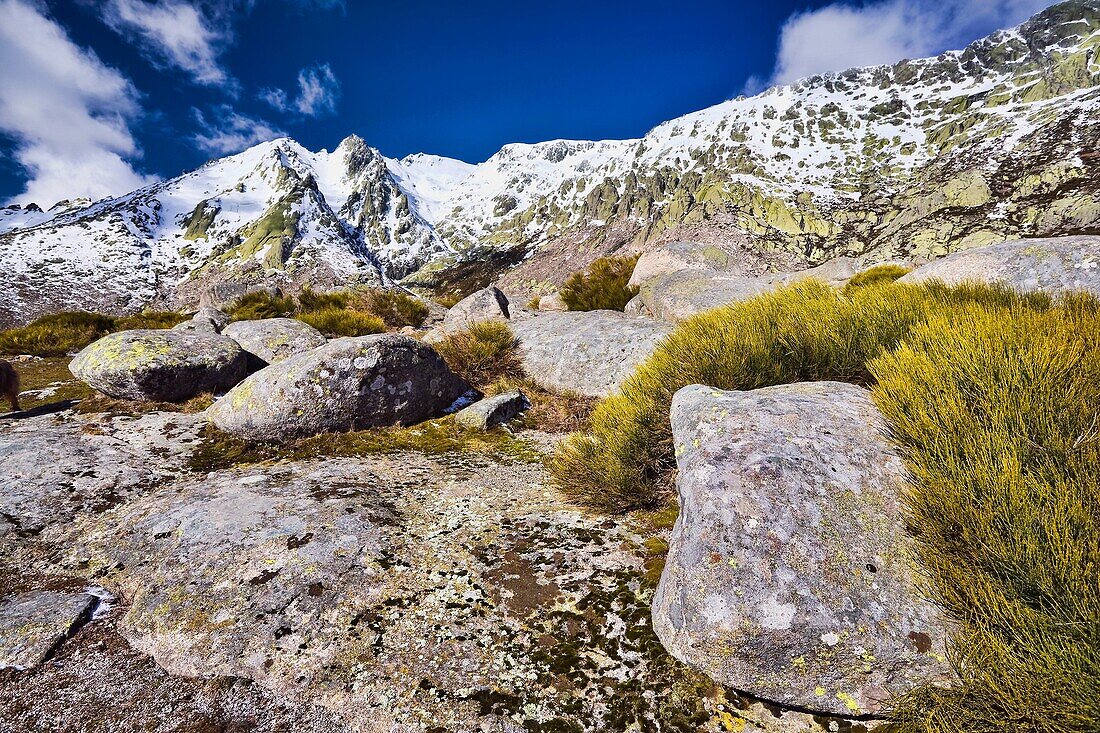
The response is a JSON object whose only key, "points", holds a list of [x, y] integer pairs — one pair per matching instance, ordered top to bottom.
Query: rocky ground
{"points": [[398, 592]]}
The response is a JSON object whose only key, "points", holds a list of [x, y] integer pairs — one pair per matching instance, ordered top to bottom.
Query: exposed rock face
{"points": [[674, 256], [1053, 265], [489, 304], [275, 339], [589, 352], [161, 365], [347, 384], [493, 411], [789, 574], [32, 624]]}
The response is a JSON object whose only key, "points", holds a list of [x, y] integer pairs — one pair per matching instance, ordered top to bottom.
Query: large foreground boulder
{"points": [[1054, 265], [275, 339], [589, 352], [161, 365], [347, 384], [789, 573]]}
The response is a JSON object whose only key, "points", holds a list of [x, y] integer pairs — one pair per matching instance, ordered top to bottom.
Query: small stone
{"points": [[492, 411], [33, 624]]}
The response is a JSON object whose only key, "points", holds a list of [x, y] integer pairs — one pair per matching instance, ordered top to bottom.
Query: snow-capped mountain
{"points": [[996, 141]]}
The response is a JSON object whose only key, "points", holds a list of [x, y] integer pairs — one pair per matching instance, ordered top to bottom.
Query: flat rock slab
{"points": [[1053, 265], [591, 353], [53, 469], [789, 573], [33, 624]]}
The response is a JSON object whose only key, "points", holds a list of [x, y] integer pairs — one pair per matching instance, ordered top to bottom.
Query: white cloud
{"points": [[175, 31], [841, 36], [318, 91], [67, 113], [230, 132]]}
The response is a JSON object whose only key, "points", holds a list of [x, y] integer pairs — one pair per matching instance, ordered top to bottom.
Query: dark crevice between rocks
{"points": [[86, 616]]}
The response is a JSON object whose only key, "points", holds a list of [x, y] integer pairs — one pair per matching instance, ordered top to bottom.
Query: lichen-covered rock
{"points": [[676, 256], [1054, 265], [678, 295], [488, 304], [275, 339], [589, 352], [161, 365], [347, 384], [493, 411], [789, 574], [32, 624]]}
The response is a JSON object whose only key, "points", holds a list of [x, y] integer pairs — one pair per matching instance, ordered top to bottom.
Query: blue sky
{"points": [[99, 96]]}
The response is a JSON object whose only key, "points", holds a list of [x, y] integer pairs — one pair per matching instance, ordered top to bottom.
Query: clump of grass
{"points": [[877, 275], [603, 287], [309, 300], [448, 300], [260, 304], [395, 308], [334, 322], [805, 332], [62, 333], [482, 354], [996, 412], [218, 450]]}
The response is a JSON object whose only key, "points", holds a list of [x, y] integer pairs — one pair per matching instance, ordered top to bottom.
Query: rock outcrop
{"points": [[682, 255], [1053, 265], [676, 296], [207, 318], [272, 340], [589, 352], [161, 365], [347, 384], [789, 574]]}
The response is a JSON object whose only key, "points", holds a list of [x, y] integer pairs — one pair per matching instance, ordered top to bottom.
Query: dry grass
{"points": [[877, 275], [67, 332], [482, 354]]}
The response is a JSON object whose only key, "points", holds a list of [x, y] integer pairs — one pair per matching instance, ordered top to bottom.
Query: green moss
{"points": [[198, 222]]}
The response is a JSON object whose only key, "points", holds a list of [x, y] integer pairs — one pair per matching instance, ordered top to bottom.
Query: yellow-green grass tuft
{"points": [[877, 275], [603, 287], [258, 305], [394, 307], [335, 322], [804, 332], [63, 333], [482, 354], [997, 413]]}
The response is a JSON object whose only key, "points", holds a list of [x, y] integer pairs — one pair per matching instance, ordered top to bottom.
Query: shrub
{"points": [[877, 275], [602, 287], [260, 304], [396, 308], [335, 322], [805, 332], [482, 354], [996, 415]]}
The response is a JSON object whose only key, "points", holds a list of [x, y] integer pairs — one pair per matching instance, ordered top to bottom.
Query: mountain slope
{"points": [[996, 141]]}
